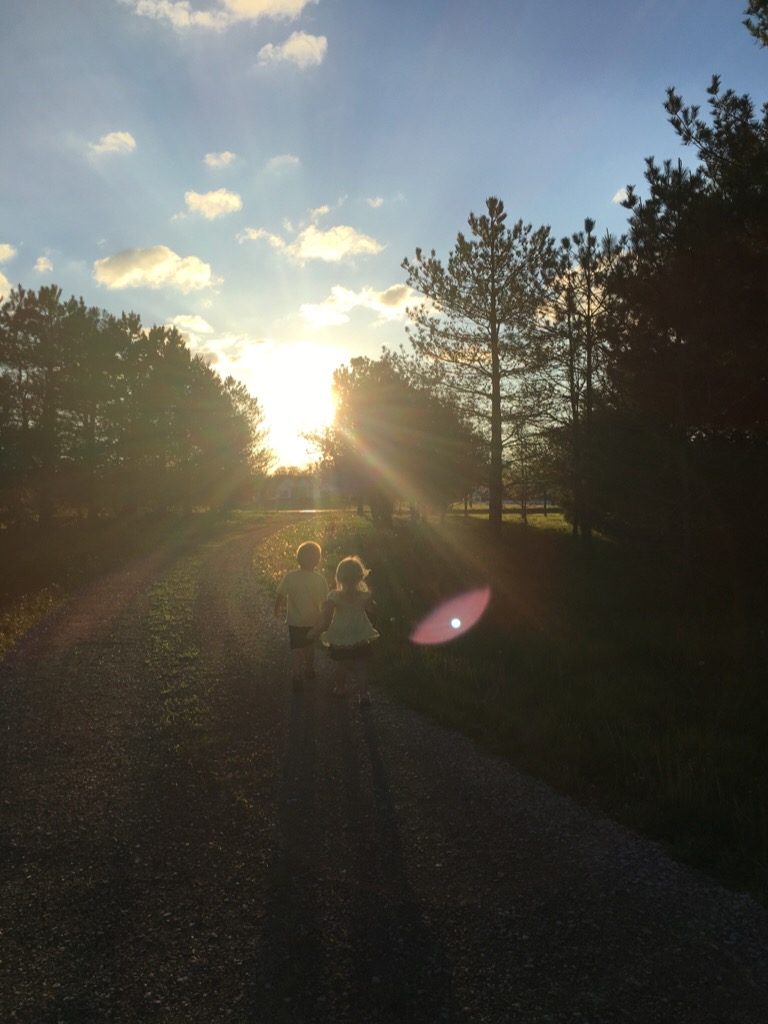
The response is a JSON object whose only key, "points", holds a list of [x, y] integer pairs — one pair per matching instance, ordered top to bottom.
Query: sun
{"points": [[293, 383]]}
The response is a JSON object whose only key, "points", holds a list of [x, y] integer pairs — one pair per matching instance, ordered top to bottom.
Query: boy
{"points": [[301, 595]]}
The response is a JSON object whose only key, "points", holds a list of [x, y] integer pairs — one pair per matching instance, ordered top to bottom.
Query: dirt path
{"points": [[184, 840]]}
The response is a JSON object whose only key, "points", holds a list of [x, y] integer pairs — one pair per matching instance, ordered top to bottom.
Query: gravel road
{"points": [[185, 840]]}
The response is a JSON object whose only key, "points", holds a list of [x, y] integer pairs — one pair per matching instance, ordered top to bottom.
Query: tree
{"points": [[757, 20], [480, 312], [574, 358], [689, 365], [97, 412], [393, 440]]}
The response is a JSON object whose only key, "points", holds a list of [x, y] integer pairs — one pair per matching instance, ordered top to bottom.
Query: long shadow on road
{"points": [[343, 936], [401, 971], [285, 984]]}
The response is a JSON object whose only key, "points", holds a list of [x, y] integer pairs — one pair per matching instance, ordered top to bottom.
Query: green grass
{"points": [[42, 567], [610, 676]]}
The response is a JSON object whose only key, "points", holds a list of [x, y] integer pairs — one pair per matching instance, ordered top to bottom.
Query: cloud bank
{"points": [[181, 15], [300, 48], [113, 142], [220, 159], [282, 162], [213, 204], [313, 243], [155, 267], [389, 304], [190, 324]]}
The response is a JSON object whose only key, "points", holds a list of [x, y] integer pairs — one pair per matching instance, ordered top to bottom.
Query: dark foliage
{"points": [[100, 416], [394, 440]]}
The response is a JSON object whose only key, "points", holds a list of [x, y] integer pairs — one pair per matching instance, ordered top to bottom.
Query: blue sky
{"points": [[256, 170]]}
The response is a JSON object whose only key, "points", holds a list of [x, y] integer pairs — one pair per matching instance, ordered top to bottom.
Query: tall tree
{"points": [[481, 310], [575, 356], [689, 359], [98, 413], [394, 440]]}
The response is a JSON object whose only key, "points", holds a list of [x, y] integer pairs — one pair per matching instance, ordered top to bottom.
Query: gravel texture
{"points": [[186, 840]]}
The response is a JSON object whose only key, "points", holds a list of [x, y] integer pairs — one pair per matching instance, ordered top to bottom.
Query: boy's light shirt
{"points": [[305, 592]]}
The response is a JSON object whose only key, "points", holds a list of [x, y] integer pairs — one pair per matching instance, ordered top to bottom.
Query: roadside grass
{"points": [[41, 568], [609, 675]]}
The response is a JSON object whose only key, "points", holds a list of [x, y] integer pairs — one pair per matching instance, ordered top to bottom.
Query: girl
{"points": [[348, 632]]}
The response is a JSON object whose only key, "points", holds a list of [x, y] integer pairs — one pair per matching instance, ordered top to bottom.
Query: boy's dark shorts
{"points": [[298, 637], [358, 653]]}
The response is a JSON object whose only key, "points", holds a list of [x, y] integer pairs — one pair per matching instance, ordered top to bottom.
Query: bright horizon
{"points": [[254, 171]]}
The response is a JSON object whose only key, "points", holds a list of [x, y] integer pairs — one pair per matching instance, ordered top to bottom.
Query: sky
{"points": [[255, 171]]}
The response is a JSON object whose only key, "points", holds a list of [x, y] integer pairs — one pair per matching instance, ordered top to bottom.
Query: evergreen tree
{"points": [[482, 310], [689, 364]]}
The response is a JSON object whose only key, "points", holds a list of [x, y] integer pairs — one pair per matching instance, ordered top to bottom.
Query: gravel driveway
{"points": [[185, 840]]}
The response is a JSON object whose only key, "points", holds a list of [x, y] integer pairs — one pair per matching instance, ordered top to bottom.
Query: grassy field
{"points": [[41, 568], [609, 675]]}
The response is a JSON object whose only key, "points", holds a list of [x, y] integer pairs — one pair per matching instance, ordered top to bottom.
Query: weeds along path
{"points": [[185, 840]]}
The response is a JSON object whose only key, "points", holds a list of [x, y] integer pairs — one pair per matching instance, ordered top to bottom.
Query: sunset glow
{"points": [[255, 171]]}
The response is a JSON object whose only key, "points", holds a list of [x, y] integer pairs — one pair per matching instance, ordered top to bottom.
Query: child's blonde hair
{"points": [[308, 555], [351, 573]]}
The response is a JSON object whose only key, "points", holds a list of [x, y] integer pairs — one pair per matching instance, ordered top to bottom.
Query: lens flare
{"points": [[453, 617]]}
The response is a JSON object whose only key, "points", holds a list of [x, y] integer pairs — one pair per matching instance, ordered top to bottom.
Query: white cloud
{"points": [[266, 8], [182, 15], [300, 48], [113, 142], [220, 159], [282, 162], [620, 196], [375, 202], [213, 204], [318, 212], [254, 234], [334, 244], [331, 246], [7, 252], [43, 265], [155, 267], [5, 287], [389, 304], [190, 324], [227, 352]]}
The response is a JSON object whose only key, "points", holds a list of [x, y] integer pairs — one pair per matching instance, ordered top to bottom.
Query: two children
{"points": [[340, 618]]}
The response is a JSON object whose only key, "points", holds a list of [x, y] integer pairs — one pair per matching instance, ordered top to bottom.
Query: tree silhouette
{"points": [[757, 20], [481, 312], [689, 365], [99, 413], [394, 440]]}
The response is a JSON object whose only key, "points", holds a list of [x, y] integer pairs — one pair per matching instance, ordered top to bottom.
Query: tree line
{"points": [[626, 375], [101, 416]]}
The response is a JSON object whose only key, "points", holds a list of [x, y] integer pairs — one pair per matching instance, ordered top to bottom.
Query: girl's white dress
{"points": [[350, 626]]}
